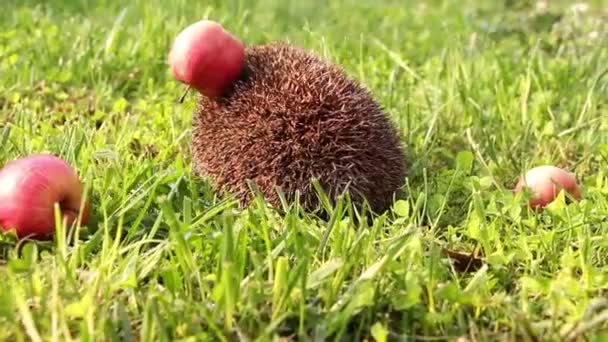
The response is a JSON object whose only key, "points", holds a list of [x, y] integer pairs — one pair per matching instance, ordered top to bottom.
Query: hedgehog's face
{"points": [[207, 58]]}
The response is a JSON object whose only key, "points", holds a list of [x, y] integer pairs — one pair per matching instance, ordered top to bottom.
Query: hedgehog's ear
{"points": [[207, 58]]}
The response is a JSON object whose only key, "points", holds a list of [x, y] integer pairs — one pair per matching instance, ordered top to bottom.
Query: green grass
{"points": [[481, 91]]}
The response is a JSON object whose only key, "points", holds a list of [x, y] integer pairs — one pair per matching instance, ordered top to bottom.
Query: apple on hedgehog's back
{"points": [[280, 116]]}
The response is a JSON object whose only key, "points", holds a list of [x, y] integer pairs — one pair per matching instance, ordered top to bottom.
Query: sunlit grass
{"points": [[481, 92]]}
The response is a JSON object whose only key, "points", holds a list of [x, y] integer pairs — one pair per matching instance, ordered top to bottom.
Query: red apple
{"points": [[206, 57], [546, 182], [29, 189]]}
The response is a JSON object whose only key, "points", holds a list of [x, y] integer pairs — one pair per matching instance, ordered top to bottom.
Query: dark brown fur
{"points": [[291, 117]]}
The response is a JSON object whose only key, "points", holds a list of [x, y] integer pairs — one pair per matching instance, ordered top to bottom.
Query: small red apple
{"points": [[206, 57], [546, 182], [29, 189]]}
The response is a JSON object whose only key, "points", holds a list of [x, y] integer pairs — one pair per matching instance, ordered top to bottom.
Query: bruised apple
{"points": [[206, 57], [546, 182], [29, 189]]}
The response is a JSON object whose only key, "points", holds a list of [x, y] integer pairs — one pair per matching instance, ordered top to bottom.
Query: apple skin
{"points": [[206, 57], [546, 181], [29, 189]]}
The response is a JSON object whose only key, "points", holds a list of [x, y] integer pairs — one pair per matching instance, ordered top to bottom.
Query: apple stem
{"points": [[181, 99]]}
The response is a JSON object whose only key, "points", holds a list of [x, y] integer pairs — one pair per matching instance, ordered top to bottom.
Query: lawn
{"points": [[480, 90]]}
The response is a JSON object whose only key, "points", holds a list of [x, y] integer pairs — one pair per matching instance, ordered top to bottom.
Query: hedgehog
{"points": [[282, 117]]}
